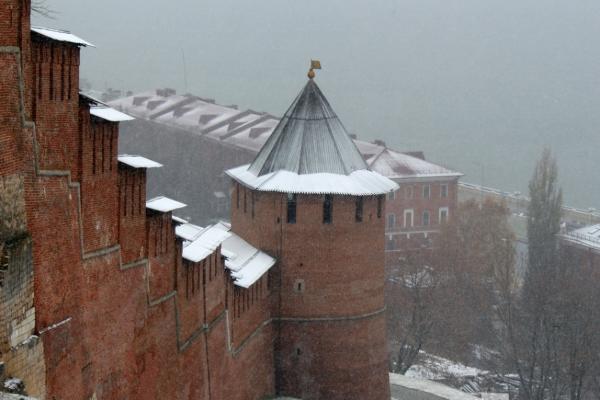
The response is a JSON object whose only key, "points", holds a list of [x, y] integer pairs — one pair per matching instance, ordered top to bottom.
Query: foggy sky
{"points": [[479, 85]]}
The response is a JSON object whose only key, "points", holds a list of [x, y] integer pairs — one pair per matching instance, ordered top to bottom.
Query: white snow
{"points": [[61, 36], [110, 114], [138, 161], [396, 165], [358, 183], [164, 204], [588, 236], [203, 243], [245, 262], [436, 367], [12, 384], [430, 387]]}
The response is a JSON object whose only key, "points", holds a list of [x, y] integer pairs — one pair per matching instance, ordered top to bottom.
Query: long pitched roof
{"points": [[250, 130], [309, 139]]}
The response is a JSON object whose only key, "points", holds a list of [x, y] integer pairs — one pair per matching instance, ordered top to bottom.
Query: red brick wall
{"points": [[99, 181], [132, 213], [161, 254], [341, 269]]}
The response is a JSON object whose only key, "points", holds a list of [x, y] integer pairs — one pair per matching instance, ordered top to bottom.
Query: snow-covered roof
{"points": [[61, 36], [110, 114], [250, 130], [309, 139], [138, 161], [399, 166], [358, 183], [164, 204], [179, 220], [188, 231], [588, 236], [201, 243], [245, 262], [426, 387]]}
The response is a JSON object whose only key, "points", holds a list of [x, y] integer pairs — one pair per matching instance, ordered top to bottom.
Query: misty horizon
{"points": [[481, 87]]}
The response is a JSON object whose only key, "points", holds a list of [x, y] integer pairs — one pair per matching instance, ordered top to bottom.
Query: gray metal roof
{"points": [[309, 139]]}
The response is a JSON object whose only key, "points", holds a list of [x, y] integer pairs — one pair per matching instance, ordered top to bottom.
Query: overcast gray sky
{"points": [[479, 85]]}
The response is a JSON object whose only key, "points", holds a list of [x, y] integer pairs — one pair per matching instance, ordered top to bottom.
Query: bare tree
{"points": [[416, 289], [550, 325]]}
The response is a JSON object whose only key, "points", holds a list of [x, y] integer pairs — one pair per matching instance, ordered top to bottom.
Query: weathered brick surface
{"points": [[99, 181], [132, 214], [340, 269], [100, 279]]}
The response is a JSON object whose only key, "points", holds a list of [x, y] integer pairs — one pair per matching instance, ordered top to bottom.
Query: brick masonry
{"points": [[96, 300]]}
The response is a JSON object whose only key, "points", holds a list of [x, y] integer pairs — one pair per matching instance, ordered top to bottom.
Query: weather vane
{"points": [[314, 64]]}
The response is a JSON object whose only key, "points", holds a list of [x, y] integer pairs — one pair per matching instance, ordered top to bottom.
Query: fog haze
{"points": [[481, 86]]}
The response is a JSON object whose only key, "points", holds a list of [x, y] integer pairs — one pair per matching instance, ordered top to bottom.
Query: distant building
{"points": [[197, 139]]}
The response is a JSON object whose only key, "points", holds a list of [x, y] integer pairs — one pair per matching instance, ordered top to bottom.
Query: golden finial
{"points": [[314, 64]]}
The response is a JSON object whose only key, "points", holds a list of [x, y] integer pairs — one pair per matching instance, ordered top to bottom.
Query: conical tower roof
{"points": [[309, 139], [310, 152]]}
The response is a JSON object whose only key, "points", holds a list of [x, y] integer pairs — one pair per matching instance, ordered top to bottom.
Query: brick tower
{"points": [[310, 200]]}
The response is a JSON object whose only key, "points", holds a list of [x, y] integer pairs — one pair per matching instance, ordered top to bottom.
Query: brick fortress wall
{"points": [[96, 301]]}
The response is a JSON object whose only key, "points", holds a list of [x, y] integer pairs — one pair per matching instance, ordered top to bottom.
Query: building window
{"points": [[444, 190], [426, 191], [409, 192], [237, 195], [392, 196], [245, 200], [252, 200], [379, 206], [291, 208], [328, 209], [358, 214], [443, 215], [408, 218], [425, 218], [391, 221], [390, 243]]}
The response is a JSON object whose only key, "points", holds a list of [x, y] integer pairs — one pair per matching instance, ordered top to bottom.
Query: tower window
{"points": [[379, 206], [291, 208], [328, 209], [358, 215], [299, 286]]}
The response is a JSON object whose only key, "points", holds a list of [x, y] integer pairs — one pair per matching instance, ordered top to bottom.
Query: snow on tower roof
{"points": [[61, 36], [309, 139], [310, 152], [138, 161], [358, 183], [164, 204]]}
